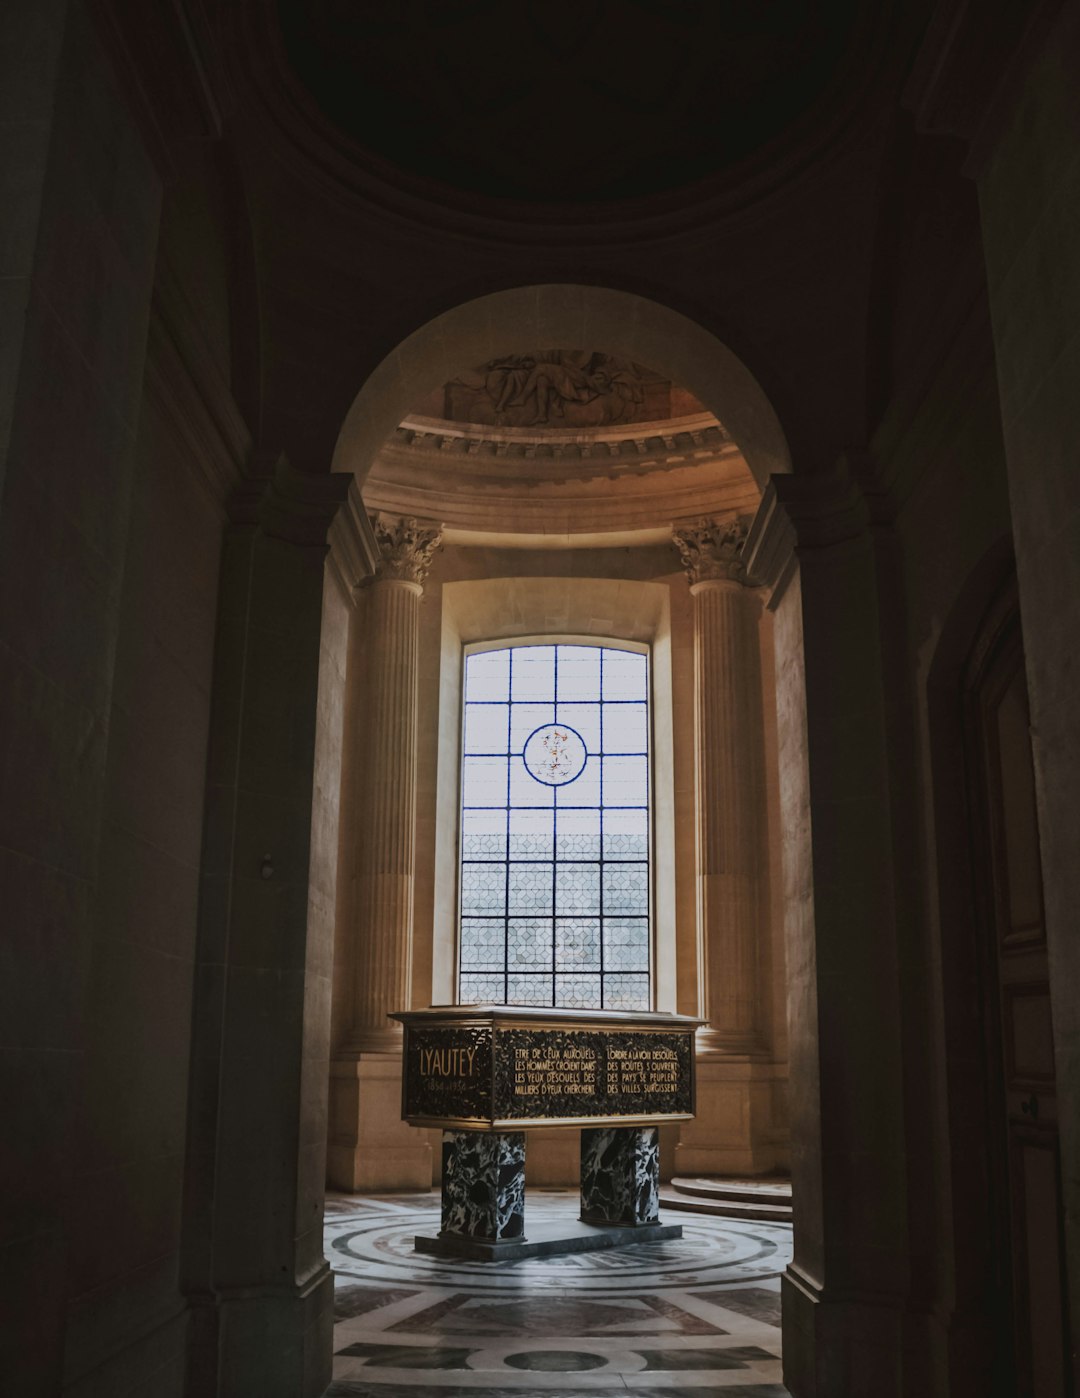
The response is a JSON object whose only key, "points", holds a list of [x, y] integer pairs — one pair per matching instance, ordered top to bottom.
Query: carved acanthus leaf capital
{"points": [[406, 548], [710, 550]]}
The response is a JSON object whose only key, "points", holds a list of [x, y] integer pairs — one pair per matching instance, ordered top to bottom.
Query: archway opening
{"points": [[562, 465]]}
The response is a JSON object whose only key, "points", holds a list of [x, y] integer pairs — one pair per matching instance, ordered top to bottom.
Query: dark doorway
{"points": [[1023, 1163]]}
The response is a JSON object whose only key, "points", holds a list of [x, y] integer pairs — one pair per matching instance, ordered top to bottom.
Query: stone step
{"points": [[775, 1190], [763, 1200], [725, 1208]]}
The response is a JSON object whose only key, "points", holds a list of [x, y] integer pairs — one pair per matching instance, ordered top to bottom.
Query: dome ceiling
{"points": [[569, 100]]}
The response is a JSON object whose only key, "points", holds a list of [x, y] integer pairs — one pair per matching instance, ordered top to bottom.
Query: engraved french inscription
{"points": [[485, 1074]]}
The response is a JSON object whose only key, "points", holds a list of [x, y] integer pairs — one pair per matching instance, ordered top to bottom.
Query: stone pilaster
{"points": [[731, 807], [732, 852], [370, 1147]]}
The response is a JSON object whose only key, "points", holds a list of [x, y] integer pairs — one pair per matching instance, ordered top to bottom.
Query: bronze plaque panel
{"points": [[448, 1073], [546, 1073], [497, 1076]]}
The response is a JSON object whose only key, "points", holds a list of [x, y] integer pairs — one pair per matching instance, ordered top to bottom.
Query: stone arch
{"points": [[570, 316]]}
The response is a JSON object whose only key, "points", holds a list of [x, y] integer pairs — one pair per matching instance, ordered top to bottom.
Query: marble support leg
{"points": [[620, 1175], [483, 1185]]}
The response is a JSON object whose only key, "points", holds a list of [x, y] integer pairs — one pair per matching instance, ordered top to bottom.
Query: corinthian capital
{"points": [[406, 548], [710, 550]]}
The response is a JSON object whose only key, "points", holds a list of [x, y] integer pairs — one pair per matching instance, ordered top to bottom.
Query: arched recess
{"points": [[569, 317], [518, 322]]}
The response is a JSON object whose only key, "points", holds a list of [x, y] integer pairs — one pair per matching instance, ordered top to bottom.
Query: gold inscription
{"points": [[447, 1062], [556, 1071], [641, 1071]]}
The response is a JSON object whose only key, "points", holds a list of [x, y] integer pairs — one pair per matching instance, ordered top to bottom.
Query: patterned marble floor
{"points": [[678, 1319]]}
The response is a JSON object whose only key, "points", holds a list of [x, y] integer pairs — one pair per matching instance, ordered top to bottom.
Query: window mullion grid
{"points": [[555, 809], [649, 823], [506, 852], [603, 983]]}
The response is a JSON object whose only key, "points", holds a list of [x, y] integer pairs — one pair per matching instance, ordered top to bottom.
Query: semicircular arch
{"points": [[566, 316]]}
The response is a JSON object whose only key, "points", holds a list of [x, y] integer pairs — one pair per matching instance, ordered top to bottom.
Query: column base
{"points": [[741, 1122], [370, 1147], [277, 1342], [841, 1346]]}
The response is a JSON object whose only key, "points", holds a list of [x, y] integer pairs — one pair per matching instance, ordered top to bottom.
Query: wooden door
{"points": [[1022, 1101]]}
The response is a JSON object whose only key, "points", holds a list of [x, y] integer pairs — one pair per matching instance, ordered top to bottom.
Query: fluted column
{"points": [[731, 797], [387, 804]]}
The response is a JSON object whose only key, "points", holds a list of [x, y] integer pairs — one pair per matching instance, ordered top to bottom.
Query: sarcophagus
{"points": [[508, 1068]]}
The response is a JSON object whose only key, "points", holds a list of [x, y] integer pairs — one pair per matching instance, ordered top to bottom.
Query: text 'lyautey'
{"points": [[447, 1062]]}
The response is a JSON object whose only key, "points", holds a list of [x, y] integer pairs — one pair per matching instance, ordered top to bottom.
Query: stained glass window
{"points": [[555, 891]]}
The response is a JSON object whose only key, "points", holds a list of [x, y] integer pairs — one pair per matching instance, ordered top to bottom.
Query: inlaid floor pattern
{"points": [[677, 1319]]}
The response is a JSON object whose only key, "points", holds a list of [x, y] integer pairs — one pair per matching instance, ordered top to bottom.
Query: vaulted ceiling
{"points": [[570, 100]]}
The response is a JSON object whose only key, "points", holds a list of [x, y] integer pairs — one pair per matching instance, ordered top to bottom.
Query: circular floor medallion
{"points": [[372, 1238], [555, 1361]]}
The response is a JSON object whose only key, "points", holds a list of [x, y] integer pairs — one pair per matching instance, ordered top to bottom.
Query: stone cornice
{"points": [[671, 442], [589, 482], [298, 507], [826, 508], [799, 515], [770, 546], [406, 548], [354, 551], [711, 551]]}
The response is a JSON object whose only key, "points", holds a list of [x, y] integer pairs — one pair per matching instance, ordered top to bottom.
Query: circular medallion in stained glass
{"points": [[555, 754]]}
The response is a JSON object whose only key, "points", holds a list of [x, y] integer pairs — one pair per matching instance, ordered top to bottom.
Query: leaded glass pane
{"points": [[579, 674], [625, 674], [532, 675], [489, 676], [526, 719], [583, 719], [485, 727], [626, 728], [625, 779], [483, 781], [585, 789], [525, 790], [555, 827], [483, 834], [531, 834], [577, 834], [626, 834], [577, 888], [483, 889], [529, 889], [626, 889], [483, 943], [577, 943], [626, 943], [528, 944], [481, 990], [528, 990], [580, 992], [626, 992]]}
